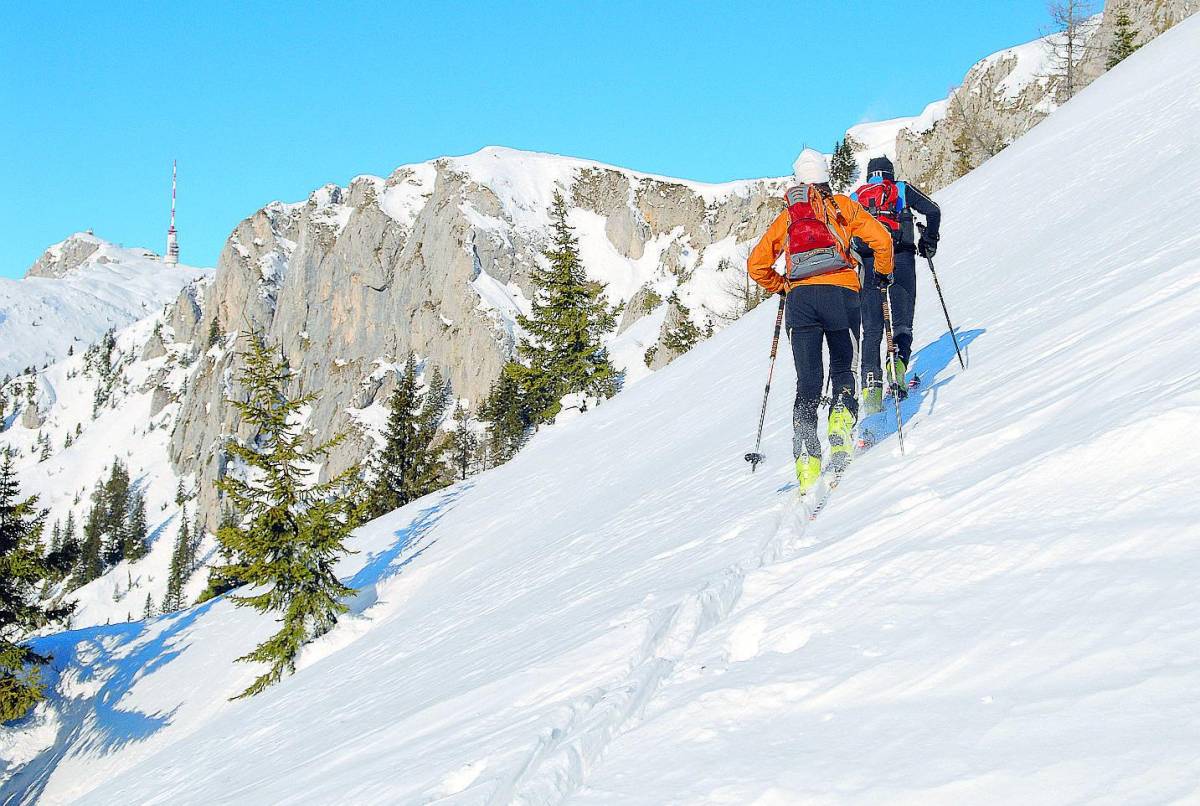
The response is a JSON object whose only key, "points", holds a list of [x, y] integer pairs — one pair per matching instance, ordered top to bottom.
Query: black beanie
{"points": [[881, 164]]}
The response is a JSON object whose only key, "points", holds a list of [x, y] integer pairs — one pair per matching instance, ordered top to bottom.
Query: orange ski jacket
{"points": [[859, 223]]}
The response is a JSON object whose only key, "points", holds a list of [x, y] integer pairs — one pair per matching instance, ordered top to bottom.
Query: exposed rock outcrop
{"points": [[65, 256]]}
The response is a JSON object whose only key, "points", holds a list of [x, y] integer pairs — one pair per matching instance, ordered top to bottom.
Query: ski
{"points": [[832, 478]]}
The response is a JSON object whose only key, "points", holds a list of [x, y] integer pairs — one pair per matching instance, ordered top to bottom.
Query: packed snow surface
{"points": [[41, 317], [625, 614]]}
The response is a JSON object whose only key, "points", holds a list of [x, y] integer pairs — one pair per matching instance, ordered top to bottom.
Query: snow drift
{"points": [[625, 614]]}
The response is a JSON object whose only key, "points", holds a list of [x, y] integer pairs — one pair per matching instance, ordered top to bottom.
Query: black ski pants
{"points": [[904, 303], [816, 314]]}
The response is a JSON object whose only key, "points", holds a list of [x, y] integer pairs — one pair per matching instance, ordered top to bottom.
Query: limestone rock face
{"points": [[64, 257], [434, 260], [155, 346], [160, 398], [31, 417]]}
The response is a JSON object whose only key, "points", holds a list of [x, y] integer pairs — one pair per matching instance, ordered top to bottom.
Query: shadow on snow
{"points": [[411, 542], [128, 652], [97, 722]]}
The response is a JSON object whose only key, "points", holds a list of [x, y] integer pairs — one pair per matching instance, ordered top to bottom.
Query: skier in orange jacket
{"points": [[822, 286]]}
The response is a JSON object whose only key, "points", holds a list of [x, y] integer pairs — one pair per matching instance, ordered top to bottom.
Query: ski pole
{"points": [[942, 299], [893, 357], [755, 457]]}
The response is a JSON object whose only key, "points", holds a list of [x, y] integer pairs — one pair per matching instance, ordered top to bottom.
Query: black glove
{"points": [[927, 247], [883, 280]]}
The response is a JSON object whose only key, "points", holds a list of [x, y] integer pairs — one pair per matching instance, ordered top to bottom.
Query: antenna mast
{"points": [[172, 258]]}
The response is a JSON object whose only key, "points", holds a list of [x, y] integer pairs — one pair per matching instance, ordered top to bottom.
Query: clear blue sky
{"points": [[263, 101]]}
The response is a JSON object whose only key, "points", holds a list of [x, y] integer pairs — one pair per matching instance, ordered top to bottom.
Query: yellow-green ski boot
{"points": [[841, 430], [808, 471]]}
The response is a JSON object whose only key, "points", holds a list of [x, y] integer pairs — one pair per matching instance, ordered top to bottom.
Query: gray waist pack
{"points": [[814, 262]]}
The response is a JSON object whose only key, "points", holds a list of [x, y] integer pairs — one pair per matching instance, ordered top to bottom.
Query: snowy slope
{"points": [[41, 316], [127, 427], [624, 614]]}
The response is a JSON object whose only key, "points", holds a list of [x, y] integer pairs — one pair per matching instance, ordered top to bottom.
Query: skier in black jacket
{"points": [[894, 204]]}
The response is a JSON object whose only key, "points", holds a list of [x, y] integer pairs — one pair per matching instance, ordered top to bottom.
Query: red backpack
{"points": [[883, 202], [815, 244]]}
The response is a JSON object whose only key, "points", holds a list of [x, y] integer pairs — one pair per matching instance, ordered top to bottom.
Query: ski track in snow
{"points": [[559, 763]]}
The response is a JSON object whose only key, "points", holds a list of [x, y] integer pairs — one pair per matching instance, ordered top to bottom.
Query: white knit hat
{"points": [[810, 167]]}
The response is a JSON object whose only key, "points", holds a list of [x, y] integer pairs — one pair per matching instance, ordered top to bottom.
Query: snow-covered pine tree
{"points": [[1124, 39], [843, 168], [214, 332], [685, 334], [561, 351], [508, 416], [464, 443], [407, 468], [115, 525], [136, 529], [289, 533], [70, 540], [90, 563], [25, 568], [177, 574]]}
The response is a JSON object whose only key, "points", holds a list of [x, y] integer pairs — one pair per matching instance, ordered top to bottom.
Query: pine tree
{"points": [[1124, 36], [843, 168], [214, 332], [684, 334], [562, 352], [508, 415], [69, 441], [464, 443], [45, 453], [407, 468], [180, 495], [116, 497], [136, 530], [289, 534], [70, 540], [90, 563], [24, 571], [178, 573], [149, 612]]}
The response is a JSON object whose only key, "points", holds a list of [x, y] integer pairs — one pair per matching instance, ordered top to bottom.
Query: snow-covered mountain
{"points": [[78, 289], [80, 420], [624, 614]]}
